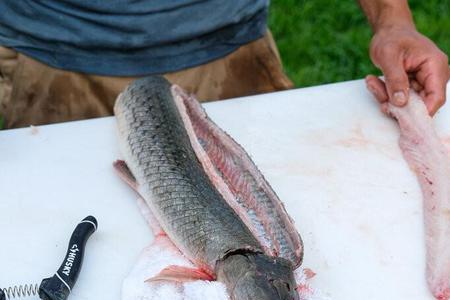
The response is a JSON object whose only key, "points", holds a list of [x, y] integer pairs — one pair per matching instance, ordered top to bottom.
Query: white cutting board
{"points": [[327, 151]]}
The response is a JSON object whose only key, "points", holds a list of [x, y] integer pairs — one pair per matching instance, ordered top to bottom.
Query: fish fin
{"points": [[125, 173], [309, 273], [181, 274]]}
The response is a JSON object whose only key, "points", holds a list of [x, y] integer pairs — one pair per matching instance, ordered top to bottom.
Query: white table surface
{"points": [[328, 152]]}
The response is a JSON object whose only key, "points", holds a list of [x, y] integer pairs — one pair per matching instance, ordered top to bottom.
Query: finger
{"points": [[433, 76], [397, 83], [415, 85], [377, 87], [422, 94], [435, 99], [384, 108]]}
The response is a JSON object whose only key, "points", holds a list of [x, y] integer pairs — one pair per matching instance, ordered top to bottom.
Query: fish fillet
{"points": [[429, 159]]}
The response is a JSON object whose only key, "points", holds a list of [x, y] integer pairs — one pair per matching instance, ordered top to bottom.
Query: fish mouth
{"points": [[236, 177]]}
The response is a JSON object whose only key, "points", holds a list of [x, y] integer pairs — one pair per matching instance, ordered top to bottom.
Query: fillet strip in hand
{"points": [[427, 156], [210, 212]]}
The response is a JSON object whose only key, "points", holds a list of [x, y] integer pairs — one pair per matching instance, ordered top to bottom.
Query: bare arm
{"points": [[382, 13], [406, 58]]}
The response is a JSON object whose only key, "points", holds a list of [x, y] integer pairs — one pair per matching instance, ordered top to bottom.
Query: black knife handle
{"points": [[59, 286]]}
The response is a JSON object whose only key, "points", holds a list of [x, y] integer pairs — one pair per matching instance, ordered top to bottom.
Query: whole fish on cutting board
{"points": [[430, 160], [206, 194]]}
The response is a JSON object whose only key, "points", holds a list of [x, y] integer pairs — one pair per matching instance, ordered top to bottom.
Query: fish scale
{"points": [[159, 152], [166, 160]]}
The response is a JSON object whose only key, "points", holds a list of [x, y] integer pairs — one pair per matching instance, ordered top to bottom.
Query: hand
{"points": [[408, 59]]}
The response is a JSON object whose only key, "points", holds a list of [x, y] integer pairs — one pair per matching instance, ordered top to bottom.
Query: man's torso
{"points": [[129, 37]]}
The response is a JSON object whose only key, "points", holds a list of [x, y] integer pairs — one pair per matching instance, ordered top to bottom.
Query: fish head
{"points": [[250, 276]]}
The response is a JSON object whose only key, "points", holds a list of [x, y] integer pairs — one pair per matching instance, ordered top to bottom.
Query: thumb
{"points": [[397, 82]]}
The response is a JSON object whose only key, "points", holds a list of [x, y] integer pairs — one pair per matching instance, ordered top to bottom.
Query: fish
{"points": [[429, 159], [206, 194], [162, 253], [158, 255]]}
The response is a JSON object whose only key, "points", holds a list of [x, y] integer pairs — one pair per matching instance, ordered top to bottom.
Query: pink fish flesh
{"points": [[429, 159]]}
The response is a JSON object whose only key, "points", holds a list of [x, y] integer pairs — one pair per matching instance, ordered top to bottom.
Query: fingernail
{"points": [[399, 98]]}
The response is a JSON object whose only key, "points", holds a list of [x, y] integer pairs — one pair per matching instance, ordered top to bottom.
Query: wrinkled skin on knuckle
{"points": [[396, 42], [381, 49], [374, 51], [394, 79], [250, 276]]}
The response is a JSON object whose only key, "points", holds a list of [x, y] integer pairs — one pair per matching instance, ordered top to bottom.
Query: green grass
{"points": [[327, 41]]}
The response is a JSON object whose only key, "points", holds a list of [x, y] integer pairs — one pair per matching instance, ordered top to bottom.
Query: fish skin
{"points": [[429, 159], [171, 180], [240, 182], [190, 210], [247, 275]]}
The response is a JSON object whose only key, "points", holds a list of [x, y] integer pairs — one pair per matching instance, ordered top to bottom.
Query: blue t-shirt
{"points": [[129, 37]]}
